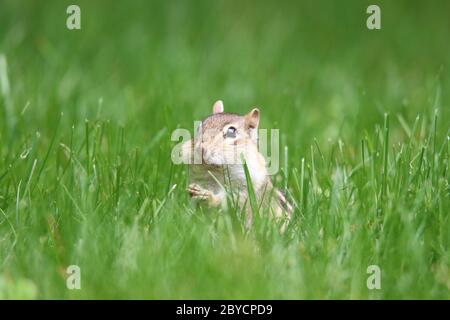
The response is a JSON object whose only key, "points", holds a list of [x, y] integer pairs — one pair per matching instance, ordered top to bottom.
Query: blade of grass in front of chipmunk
{"points": [[228, 189], [250, 189]]}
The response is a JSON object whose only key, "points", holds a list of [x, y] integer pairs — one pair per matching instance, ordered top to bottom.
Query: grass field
{"points": [[86, 177]]}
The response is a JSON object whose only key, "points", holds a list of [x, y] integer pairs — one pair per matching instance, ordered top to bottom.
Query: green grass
{"points": [[85, 170]]}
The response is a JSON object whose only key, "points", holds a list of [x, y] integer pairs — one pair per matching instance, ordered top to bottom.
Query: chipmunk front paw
{"points": [[198, 193], [201, 194]]}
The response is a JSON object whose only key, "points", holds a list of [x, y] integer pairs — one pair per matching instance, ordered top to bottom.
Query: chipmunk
{"points": [[215, 157]]}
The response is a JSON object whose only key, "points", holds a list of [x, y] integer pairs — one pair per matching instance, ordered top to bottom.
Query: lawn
{"points": [[86, 176]]}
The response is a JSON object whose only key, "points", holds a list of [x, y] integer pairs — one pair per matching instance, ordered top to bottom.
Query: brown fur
{"points": [[221, 167]]}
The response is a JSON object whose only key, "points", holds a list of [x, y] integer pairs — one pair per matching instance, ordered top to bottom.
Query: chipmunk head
{"points": [[223, 137]]}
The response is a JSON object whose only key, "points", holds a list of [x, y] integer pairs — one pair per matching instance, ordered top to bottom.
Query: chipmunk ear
{"points": [[218, 106], [252, 119]]}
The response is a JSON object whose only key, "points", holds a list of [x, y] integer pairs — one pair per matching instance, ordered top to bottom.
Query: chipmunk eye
{"points": [[231, 132]]}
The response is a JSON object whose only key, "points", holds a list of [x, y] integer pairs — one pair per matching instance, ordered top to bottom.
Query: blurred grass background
{"points": [[85, 171]]}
